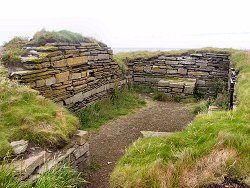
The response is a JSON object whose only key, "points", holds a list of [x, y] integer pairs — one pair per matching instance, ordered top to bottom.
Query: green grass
{"points": [[42, 37], [13, 50], [120, 60], [121, 102], [200, 107], [24, 114], [161, 162], [63, 176], [59, 177]]}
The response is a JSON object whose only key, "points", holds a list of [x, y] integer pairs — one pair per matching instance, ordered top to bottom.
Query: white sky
{"points": [[134, 23]]}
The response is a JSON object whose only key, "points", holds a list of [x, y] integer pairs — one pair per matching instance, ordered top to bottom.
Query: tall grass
{"points": [[42, 37], [13, 50], [121, 102], [24, 114], [161, 162], [59, 177]]}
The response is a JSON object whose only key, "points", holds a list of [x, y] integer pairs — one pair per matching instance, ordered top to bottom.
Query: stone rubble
{"points": [[153, 133], [19, 147], [75, 153]]}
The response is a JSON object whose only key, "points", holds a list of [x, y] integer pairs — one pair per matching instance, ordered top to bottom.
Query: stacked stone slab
{"points": [[207, 68], [74, 75], [178, 87], [76, 154]]}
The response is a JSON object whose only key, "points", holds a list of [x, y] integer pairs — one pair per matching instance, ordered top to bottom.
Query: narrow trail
{"points": [[111, 141]]}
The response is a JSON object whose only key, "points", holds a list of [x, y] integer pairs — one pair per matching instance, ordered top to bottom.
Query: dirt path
{"points": [[110, 143]]}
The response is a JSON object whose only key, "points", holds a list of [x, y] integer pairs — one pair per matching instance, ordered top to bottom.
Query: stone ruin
{"points": [[73, 75], [77, 75], [182, 75], [39, 161]]}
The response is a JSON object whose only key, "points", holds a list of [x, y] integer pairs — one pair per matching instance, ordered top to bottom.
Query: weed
{"points": [[161, 96], [121, 102], [94, 165], [61, 176]]}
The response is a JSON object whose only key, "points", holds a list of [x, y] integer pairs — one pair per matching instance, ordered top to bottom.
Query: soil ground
{"points": [[111, 141]]}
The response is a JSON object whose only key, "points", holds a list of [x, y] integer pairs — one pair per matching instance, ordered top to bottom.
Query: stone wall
{"points": [[207, 69], [74, 75], [36, 161]]}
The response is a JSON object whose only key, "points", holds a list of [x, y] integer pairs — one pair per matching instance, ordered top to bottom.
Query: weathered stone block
{"points": [[103, 56], [57, 58], [77, 61], [61, 63], [139, 68], [147, 69], [171, 71], [182, 71], [198, 73], [84, 74], [74, 76], [62, 77], [139, 79], [152, 79], [50, 81], [201, 82], [40, 83], [163, 83], [177, 84], [80, 87], [189, 89], [177, 90], [87, 94], [78, 97], [68, 100], [157, 134], [81, 137], [19, 147], [81, 150], [55, 161], [27, 166]]}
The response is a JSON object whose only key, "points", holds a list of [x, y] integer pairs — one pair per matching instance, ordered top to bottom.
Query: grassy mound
{"points": [[42, 37], [13, 49], [121, 102], [24, 114], [212, 148]]}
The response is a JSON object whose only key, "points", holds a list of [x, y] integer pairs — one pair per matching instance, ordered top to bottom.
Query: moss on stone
{"points": [[46, 48]]}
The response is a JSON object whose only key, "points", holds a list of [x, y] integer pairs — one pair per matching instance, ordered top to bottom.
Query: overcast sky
{"points": [[134, 23]]}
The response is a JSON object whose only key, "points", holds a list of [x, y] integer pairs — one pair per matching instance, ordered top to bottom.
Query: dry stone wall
{"points": [[205, 70], [74, 75], [36, 161]]}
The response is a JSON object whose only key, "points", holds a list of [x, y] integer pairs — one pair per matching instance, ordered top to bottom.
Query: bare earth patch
{"points": [[113, 138]]}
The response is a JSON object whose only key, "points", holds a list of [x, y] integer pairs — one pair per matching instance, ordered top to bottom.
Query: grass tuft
{"points": [[42, 37], [121, 102], [24, 114], [61, 177]]}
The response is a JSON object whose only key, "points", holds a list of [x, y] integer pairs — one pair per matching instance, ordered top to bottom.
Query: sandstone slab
{"points": [[19, 147]]}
